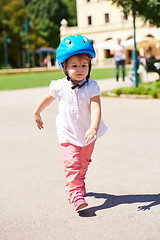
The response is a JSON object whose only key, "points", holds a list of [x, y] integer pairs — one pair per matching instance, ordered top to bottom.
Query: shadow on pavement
{"points": [[114, 200]]}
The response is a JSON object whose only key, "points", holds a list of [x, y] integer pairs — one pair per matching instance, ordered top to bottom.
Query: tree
{"points": [[149, 10], [49, 14], [12, 18], [72, 18], [43, 23]]}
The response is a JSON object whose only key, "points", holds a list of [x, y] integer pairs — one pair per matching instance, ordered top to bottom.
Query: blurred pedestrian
{"points": [[119, 56], [47, 61]]}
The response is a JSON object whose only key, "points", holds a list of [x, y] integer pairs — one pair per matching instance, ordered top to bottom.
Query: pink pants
{"points": [[76, 162]]}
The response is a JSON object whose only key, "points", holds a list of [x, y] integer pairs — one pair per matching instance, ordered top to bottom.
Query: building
{"points": [[102, 22]]}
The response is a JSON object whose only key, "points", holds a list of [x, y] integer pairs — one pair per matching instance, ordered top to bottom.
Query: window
{"points": [[106, 17], [89, 20], [108, 53]]}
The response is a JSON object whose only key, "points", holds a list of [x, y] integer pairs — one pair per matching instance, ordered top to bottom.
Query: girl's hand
{"points": [[39, 121], [91, 133]]}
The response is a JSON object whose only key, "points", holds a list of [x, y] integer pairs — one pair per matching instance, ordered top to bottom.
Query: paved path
{"points": [[110, 84], [122, 179]]}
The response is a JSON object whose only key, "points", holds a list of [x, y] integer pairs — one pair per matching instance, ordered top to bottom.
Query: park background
{"points": [[29, 27], [31, 31], [123, 179]]}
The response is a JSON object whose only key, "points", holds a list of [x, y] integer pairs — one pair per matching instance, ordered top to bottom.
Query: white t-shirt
{"points": [[119, 52], [74, 117]]}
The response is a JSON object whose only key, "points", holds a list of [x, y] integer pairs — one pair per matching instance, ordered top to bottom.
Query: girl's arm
{"points": [[44, 102], [95, 118]]}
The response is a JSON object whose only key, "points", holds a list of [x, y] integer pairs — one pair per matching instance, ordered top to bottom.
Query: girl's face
{"points": [[77, 67]]}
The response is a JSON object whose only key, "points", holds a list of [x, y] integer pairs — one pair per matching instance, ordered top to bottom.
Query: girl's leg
{"points": [[117, 70], [123, 70], [86, 153], [76, 161], [72, 167]]}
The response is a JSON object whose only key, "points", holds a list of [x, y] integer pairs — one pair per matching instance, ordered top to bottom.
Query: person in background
{"points": [[119, 56], [150, 59], [47, 61]]}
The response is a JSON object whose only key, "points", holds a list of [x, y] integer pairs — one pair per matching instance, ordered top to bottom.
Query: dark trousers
{"points": [[122, 64]]}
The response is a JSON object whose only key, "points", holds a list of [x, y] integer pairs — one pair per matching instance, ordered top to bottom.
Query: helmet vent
{"points": [[84, 40], [68, 41], [73, 45]]}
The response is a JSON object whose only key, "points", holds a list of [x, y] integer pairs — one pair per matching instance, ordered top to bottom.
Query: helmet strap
{"points": [[88, 76], [77, 84]]}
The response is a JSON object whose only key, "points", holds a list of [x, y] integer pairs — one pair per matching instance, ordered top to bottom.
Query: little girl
{"points": [[79, 121]]}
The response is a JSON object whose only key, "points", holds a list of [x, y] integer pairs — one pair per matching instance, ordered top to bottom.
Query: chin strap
{"points": [[77, 84]]}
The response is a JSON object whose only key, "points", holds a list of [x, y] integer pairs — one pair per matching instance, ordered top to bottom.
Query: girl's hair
{"points": [[81, 55]]}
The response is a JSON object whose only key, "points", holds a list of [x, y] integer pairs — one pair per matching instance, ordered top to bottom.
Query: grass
{"points": [[102, 73], [41, 79], [27, 80], [151, 89]]}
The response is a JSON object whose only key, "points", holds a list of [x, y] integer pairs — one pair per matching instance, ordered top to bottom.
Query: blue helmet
{"points": [[73, 45]]}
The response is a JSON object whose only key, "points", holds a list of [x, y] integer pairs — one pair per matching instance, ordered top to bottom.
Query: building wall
{"points": [[97, 10], [100, 21]]}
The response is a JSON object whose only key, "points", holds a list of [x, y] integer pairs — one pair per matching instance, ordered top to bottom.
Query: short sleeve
{"points": [[54, 88], [95, 89]]}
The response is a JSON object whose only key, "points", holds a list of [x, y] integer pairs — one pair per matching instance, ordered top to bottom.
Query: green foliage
{"points": [[71, 6], [148, 9], [49, 14], [12, 18], [43, 18], [151, 89], [155, 91]]}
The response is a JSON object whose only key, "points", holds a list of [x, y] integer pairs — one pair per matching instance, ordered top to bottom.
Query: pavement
{"points": [[122, 181]]}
